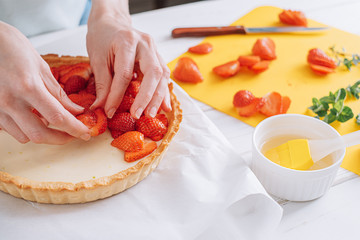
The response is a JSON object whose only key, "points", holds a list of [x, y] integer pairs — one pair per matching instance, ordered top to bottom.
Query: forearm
{"points": [[115, 9]]}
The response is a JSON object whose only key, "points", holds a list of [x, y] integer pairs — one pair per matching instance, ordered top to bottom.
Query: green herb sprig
{"points": [[346, 59], [358, 119]]}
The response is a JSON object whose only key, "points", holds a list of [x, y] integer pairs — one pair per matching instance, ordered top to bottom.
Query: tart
{"points": [[79, 171]]}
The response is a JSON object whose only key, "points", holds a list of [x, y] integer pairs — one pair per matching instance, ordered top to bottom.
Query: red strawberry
{"points": [[291, 17], [203, 48], [265, 49], [317, 56], [248, 61], [260, 66], [63, 69], [77, 69], [228, 69], [186, 70], [321, 70], [55, 73], [137, 74], [74, 84], [91, 87], [133, 89], [243, 98], [83, 99], [126, 104], [272, 104], [285, 104], [250, 109], [162, 117], [95, 120], [122, 121], [152, 128], [115, 133], [132, 141], [149, 147]]}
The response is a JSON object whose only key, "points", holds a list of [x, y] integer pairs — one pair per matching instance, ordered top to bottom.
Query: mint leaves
{"points": [[348, 60], [331, 108]]}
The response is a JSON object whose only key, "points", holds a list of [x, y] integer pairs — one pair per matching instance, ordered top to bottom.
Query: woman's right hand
{"points": [[26, 83]]}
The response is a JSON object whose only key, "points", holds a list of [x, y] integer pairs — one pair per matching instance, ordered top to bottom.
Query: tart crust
{"points": [[94, 189]]}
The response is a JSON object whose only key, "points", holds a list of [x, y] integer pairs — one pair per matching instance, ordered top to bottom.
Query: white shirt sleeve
{"points": [[33, 17]]}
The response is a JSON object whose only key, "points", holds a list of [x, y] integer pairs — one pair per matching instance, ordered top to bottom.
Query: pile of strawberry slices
{"points": [[136, 137]]}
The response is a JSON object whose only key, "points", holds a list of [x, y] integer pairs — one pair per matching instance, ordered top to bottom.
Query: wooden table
{"points": [[335, 215]]}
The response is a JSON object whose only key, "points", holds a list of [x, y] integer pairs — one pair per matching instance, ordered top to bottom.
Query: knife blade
{"points": [[214, 31]]}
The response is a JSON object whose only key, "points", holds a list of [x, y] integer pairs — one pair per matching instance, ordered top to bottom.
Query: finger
{"points": [[123, 68], [153, 72], [103, 79], [56, 90], [157, 98], [166, 104], [57, 115], [12, 128], [36, 131]]}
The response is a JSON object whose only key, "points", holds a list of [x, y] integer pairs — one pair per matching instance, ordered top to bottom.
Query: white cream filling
{"points": [[74, 162]]}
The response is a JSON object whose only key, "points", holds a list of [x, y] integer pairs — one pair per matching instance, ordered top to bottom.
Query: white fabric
{"points": [[33, 17]]}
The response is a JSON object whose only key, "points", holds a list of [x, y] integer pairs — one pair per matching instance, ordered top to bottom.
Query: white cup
{"points": [[286, 183]]}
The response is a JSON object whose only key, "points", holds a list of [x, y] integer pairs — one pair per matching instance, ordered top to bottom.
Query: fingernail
{"points": [[138, 112], [152, 112], [111, 113], [85, 136]]}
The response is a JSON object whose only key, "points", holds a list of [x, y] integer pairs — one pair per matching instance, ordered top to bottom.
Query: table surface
{"points": [[334, 215]]}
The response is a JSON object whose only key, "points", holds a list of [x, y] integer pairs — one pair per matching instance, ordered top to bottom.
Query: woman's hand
{"points": [[113, 46], [27, 83]]}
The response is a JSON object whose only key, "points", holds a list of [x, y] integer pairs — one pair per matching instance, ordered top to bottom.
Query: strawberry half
{"points": [[291, 17], [203, 48], [265, 49], [317, 56], [248, 61], [260, 66], [80, 69], [228, 69], [186, 70], [321, 70], [74, 84], [91, 87], [133, 89], [243, 98], [83, 99], [126, 104], [272, 104], [285, 104], [162, 117], [95, 120], [122, 121], [152, 128], [115, 133], [129, 142], [149, 147]]}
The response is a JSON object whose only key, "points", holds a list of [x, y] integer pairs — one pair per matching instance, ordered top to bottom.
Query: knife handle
{"points": [[207, 31]]}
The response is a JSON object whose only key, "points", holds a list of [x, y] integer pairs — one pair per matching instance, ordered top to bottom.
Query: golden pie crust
{"points": [[58, 192]]}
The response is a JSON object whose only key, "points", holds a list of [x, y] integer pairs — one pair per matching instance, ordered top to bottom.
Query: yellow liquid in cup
{"points": [[278, 140]]}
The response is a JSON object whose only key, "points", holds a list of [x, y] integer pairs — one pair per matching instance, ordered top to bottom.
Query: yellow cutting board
{"points": [[289, 74]]}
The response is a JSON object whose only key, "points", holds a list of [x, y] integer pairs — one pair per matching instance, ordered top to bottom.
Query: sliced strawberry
{"points": [[291, 17], [203, 48], [265, 49], [317, 56], [248, 61], [260, 66], [63, 69], [77, 69], [228, 69], [186, 70], [321, 70], [55, 73], [74, 84], [91, 87], [133, 89], [243, 98], [83, 99], [125, 104], [272, 104], [285, 104], [250, 109], [162, 117], [88, 118], [95, 120], [122, 121], [152, 128], [115, 133], [129, 142], [149, 147]]}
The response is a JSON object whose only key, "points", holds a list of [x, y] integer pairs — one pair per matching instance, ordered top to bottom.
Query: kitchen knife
{"points": [[213, 31]]}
